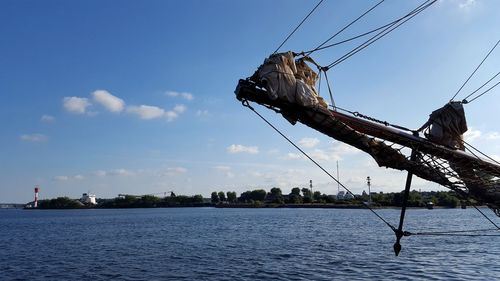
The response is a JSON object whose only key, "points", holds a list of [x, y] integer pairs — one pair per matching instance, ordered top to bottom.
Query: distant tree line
{"points": [[304, 195], [127, 201], [150, 201], [60, 203]]}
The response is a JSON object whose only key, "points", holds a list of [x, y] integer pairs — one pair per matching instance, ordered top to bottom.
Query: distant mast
{"points": [[338, 178], [35, 205]]}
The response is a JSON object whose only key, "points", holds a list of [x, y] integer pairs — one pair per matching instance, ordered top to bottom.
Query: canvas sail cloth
{"points": [[289, 80], [286, 86], [447, 125]]}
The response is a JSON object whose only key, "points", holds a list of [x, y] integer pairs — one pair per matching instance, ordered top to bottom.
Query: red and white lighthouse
{"points": [[36, 197]]}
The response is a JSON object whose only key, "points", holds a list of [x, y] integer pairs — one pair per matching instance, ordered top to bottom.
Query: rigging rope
{"points": [[300, 24], [344, 28], [384, 32], [472, 74], [475, 98], [464, 101], [246, 103], [477, 150], [484, 215], [404, 233]]}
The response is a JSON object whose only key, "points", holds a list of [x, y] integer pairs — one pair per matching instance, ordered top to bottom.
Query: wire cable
{"points": [[298, 26], [344, 28], [384, 32], [472, 74], [475, 98], [465, 99], [247, 104]]}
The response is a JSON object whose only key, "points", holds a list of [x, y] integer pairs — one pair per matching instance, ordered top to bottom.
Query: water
{"points": [[241, 244]]}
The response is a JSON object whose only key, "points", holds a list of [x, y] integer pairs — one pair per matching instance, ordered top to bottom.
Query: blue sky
{"points": [[137, 96]]}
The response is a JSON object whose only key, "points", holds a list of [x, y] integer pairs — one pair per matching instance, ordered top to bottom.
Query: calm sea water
{"points": [[241, 244]]}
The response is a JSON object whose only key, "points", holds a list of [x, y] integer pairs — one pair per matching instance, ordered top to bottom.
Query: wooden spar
{"points": [[451, 168]]}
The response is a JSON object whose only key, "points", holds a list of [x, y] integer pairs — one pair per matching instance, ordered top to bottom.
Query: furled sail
{"points": [[287, 85]]}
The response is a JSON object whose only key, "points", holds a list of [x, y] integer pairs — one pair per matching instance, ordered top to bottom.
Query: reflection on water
{"points": [[242, 244]]}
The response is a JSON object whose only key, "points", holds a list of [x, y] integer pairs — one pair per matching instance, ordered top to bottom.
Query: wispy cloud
{"points": [[467, 4], [184, 95], [110, 102], [76, 104], [180, 108], [148, 112], [202, 113], [47, 118], [471, 135], [492, 135], [34, 137], [309, 142], [238, 148], [334, 153], [293, 156], [222, 168], [225, 170], [173, 171], [120, 172], [60, 178], [67, 178]]}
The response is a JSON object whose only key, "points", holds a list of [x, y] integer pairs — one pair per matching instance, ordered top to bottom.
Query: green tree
{"points": [[258, 195], [275, 195], [222, 196], [231, 196], [245, 196], [317, 196], [215, 197], [294, 197], [198, 198], [415, 199]]}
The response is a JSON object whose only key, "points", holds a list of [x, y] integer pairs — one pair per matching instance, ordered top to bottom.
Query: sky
{"points": [[137, 97]]}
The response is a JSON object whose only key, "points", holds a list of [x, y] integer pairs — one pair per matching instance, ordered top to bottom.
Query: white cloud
{"points": [[467, 4], [184, 95], [110, 102], [76, 105], [180, 108], [146, 112], [202, 113], [171, 115], [47, 118], [471, 135], [493, 136], [34, 137], [309, 142], [238, 148], [334, 153], [293, 156], [222, 168], [226, 170], [173, 171], [120, 172], [101, 173], [61, 178], [67, 178]]}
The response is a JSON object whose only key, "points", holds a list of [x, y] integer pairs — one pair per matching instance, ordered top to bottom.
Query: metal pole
{"points": [[338, 178], [311, 186], [369, 191]]}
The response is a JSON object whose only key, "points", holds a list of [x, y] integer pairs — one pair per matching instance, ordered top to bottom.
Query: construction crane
{"points": [[172, 194]]}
